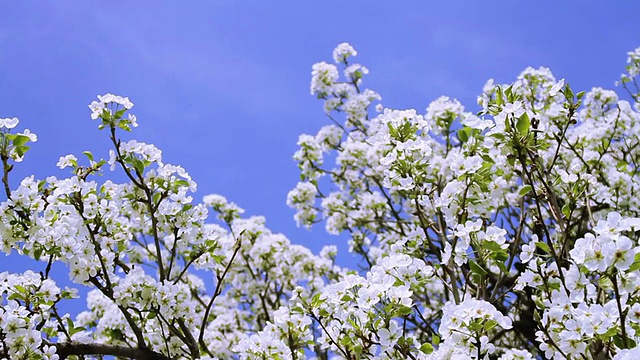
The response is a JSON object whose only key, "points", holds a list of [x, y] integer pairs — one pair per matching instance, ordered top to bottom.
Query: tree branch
{"points": [[67, 349]]}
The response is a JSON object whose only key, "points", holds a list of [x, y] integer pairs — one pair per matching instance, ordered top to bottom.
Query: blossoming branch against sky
{"points": [[223, 87], [493, 218]]}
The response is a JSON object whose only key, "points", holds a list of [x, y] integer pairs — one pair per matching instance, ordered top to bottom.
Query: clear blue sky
{"points": [[222, 87]]}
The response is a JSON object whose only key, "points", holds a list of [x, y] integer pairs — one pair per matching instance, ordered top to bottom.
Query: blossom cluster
{"points": [[523, 208]]}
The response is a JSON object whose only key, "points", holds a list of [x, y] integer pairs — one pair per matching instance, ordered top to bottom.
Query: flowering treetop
{"points": [[509, 233]]}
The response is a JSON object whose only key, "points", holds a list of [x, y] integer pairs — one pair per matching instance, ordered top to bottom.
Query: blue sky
{"points": [[222, 87]]}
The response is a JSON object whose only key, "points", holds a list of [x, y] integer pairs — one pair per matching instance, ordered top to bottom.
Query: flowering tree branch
{"points": [[511, 232]]}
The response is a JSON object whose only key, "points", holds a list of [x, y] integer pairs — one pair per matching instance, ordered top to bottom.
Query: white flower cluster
{"points": [[342, 52], [633, 64], [324, 77], [105, 101], [111, 110], [9, 123], [14, 146], [299, 198], [507, 203], [607, 247], [25, 301], [354, 307], [465, 327], [276, 339]]}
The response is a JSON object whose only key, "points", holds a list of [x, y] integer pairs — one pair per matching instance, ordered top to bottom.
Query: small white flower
{"points": [[342, 52], [556, 88], [9, 123], [67, 161]]}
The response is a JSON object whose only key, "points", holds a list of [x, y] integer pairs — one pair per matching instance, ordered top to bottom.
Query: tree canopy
{"points": [[509, 232]]}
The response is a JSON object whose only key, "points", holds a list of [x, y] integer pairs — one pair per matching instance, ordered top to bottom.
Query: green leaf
{"points": [[509, 93], [568, 93], [499, 97], [119, 113], [106, 115], [524, 124], [124, 125], [392, 131], [463, 134], [20, 140], [21, 150], [89, 155], [488, 158], [138, 165], [622, 165], [181, 183], [524, 190], [156, 197], [211, 243], [491, 245], [543, 246], [37, 253], [500, 256], [217, 258], [636, 263], [502, 266], [475, 268], [605, 283], [316, 301], [539, 305], [404, 310], [323, 312], [70, 324], [490, 324], [475, 325], [77, 330], [611, 332], [435, 339], [345, 340], [618, 340], [358, 348], [426, 348]]}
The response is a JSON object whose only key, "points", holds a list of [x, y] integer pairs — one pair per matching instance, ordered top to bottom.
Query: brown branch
{"points": [[6, 168], [217, 292], [64, 350]]}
